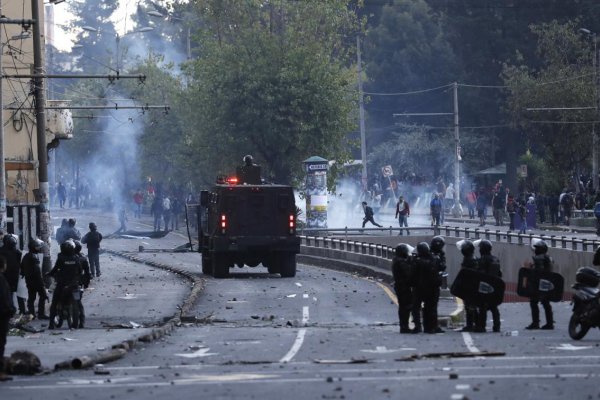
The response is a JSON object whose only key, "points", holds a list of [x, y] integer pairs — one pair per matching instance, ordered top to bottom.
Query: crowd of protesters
{"points": [[519, 210]]}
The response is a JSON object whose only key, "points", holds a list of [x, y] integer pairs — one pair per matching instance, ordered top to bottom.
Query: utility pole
{"points": [[40, 124], [595, 139], [363, 141], [457, 150]]}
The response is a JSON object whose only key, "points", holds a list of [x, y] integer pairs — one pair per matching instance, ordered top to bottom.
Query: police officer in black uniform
{"points": [[467, 249], [12, 255], [541, 262], [490, 265], [402, 269], [31, 270], [67, 272], [85, 282], [427, 288]]}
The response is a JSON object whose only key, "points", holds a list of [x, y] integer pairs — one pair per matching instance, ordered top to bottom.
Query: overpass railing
{"points": [[331, 237]]}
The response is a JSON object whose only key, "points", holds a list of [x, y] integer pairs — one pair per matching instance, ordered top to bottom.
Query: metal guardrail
{"points": [[321, 237]]}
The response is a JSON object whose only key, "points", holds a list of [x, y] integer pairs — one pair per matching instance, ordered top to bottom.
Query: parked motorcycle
{"points": [[586, 303]]}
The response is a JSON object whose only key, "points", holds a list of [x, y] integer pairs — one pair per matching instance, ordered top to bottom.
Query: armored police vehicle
{"points": [[242, 223]]}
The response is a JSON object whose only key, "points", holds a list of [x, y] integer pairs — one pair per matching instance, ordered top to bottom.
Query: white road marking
{"points": [[298, 284], [291, 296], [305, 296], [299, 338], [469, 342], [569, 346], [295, 347], [385, 350], [198, 353], [219, 379], [463, 387], [457, 396]]}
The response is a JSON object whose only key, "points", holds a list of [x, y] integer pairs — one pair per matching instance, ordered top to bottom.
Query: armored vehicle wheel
{"points": [[206, 265], [288, 265], [220, 267], [273, 269]]}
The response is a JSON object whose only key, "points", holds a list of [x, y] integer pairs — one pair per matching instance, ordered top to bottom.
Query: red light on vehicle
{"points": [[232, 180], [223, 223], [292, 223]]}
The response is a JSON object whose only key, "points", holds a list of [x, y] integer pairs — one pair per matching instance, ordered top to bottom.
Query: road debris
{"points": [[465, 354]]}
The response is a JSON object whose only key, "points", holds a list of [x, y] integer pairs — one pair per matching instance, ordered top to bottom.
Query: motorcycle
{"points": [[586, 303]]}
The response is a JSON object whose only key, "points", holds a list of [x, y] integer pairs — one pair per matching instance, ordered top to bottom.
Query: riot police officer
{"points": [[437, 249], [467, 249], [12, 255], [541, 262], [490, 265], [402, 269], [31, 270], [67, 272], [85, 282], [427, 288]]}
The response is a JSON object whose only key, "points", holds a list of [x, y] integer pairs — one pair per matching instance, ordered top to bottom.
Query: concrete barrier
{"points": [[377, 251]]}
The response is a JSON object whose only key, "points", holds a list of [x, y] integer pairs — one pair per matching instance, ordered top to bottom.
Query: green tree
{"points": [[272, 80], [563, 80]]}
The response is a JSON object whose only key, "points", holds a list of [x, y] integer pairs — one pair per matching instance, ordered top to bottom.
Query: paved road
{"points": [[267, 335]]}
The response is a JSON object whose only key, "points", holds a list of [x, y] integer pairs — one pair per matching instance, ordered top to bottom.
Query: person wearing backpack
{"points": [[566, 201], [92, 239]]}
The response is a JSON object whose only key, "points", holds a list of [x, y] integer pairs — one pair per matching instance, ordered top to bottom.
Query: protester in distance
{"points": [[138, 200], [471, 200], [481, 206], [156, 209], [435, 209], [511, 209], [166, 211], [523, 211], [402, 213], [368, 215], [122, 220], [62, 231], [72, 232], [92, 239], [541, 262], [489, 265], [31, 270], [402, 270], [7, 311]]}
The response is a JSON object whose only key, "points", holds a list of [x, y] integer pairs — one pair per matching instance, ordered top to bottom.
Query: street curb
{"points": [[118, 350]]}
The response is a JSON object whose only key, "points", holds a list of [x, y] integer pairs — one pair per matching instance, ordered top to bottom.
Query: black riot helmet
{"points": [[248, 159], [9, 241], [437, 244], [35, 245], [77, 246], [67, 247], [485, 247], [539, 247], [467, 248], [423, 249], [403, 250]]}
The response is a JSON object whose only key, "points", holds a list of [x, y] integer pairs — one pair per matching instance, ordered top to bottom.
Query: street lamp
{"points": [[596, 64]]}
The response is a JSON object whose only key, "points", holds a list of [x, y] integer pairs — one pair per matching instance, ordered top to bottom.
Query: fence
{"points": [[24, 221]]}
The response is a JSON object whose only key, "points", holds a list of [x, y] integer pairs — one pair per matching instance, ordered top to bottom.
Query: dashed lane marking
{"points": [[305, 296], [304, 315], [469, 342]]}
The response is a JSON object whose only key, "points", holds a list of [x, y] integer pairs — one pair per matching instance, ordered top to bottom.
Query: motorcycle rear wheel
{"points": [[577, 328]]}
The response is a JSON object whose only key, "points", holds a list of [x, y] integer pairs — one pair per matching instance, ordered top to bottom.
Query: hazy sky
{"points": [[63, 41]]}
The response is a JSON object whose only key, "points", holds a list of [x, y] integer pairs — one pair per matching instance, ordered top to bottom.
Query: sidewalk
{"points": [[121, 306]]}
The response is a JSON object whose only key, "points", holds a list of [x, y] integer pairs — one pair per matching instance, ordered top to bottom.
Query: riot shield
{"points": [[538, 284], [477, 289]]}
